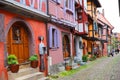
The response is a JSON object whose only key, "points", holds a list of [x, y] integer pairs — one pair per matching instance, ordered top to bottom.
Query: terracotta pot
{"points": [[34, 64], [78, 64], [14, 68], [68, 68]]}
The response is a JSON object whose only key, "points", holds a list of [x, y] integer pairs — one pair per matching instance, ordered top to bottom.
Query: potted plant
{"points": [[89, 55], [85, 58], [34, 61], [13, 63], [68, 65]]}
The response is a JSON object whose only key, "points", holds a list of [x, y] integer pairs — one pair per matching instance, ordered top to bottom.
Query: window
{"points": [[57, 1], [40, 5], [69, 5], [85, 6], [94, 11], [95, 26], [102, 31], [16, 33], [53, 37], [80, 45]]}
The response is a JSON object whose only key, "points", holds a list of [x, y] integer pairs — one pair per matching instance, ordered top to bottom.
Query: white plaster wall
{"points": [[79, 52]]}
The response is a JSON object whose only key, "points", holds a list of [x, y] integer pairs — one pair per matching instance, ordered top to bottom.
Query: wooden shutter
{"points": [[50, 37], [55, 38], [58, 38]]}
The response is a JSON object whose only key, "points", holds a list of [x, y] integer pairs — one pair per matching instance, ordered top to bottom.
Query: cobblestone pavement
{"points": [[107, 68]]}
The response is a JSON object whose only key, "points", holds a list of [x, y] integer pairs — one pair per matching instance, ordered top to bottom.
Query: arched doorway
{"points": [[17, 41], [66, 46]]}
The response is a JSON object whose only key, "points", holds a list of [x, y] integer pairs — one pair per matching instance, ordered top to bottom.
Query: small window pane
{"points": [[16, 33], [53, 37]]}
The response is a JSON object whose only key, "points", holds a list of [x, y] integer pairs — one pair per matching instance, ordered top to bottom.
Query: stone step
{"points": [[75, 65], [23, 72], [33, 76], [44, 78]]}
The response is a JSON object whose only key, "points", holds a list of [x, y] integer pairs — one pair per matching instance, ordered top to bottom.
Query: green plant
{"points": [[33, 57], [85, 58], [92, 58], [12, 59]]}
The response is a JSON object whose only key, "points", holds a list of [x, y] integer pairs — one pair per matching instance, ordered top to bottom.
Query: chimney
{"points": [[103, 12]]}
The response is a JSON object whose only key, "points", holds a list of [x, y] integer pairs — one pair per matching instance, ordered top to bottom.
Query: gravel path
{"points": [[107, 68]]}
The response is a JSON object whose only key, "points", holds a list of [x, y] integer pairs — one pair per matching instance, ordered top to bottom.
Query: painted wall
{"points": [[35, 5], [90, 9], [59, 11], [90, 28], [38, 29], [89, 46], [85, 49], [106, 49], [79, 51], [57, 53], [3, 70]]}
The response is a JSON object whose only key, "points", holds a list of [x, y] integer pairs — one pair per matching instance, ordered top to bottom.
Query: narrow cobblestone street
{"points": [[107, 68]]}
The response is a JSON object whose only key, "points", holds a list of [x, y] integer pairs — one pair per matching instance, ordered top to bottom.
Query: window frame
{"points": [[57, 1], [69, 6], [53, 37]]}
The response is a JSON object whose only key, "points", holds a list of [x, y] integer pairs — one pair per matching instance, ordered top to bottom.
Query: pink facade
{"points": [[62, 19], [106, 32], [105, 49]]}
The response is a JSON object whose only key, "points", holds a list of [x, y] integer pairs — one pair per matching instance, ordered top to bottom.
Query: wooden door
{"points": [[17, 42], [66, 47]]}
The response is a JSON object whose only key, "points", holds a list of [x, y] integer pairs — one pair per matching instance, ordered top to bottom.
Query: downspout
{"points": [[47, 29], [47, 37]]}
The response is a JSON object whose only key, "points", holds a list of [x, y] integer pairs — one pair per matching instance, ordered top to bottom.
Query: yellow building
{"points": [[92, 39]]}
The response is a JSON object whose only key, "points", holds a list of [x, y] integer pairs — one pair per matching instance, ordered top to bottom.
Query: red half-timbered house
{"points": [[21, 23], [81, 29]]}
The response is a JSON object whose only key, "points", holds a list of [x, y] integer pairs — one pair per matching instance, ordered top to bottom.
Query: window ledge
{"points": [[69, 11], [54, 48]]}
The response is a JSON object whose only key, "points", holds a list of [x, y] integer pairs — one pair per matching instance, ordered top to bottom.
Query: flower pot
{"points": [[34, 64], [78, 64], [14, 68], [67, 68]]}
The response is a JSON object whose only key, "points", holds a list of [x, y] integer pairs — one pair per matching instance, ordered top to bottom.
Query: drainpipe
{"points": [[47, 29]]}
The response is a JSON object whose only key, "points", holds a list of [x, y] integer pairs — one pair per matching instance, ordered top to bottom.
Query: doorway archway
{"points": [[19, 39]]}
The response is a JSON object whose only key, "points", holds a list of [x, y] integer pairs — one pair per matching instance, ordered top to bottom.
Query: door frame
{"points": [[68, 35], [30, 36]]}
